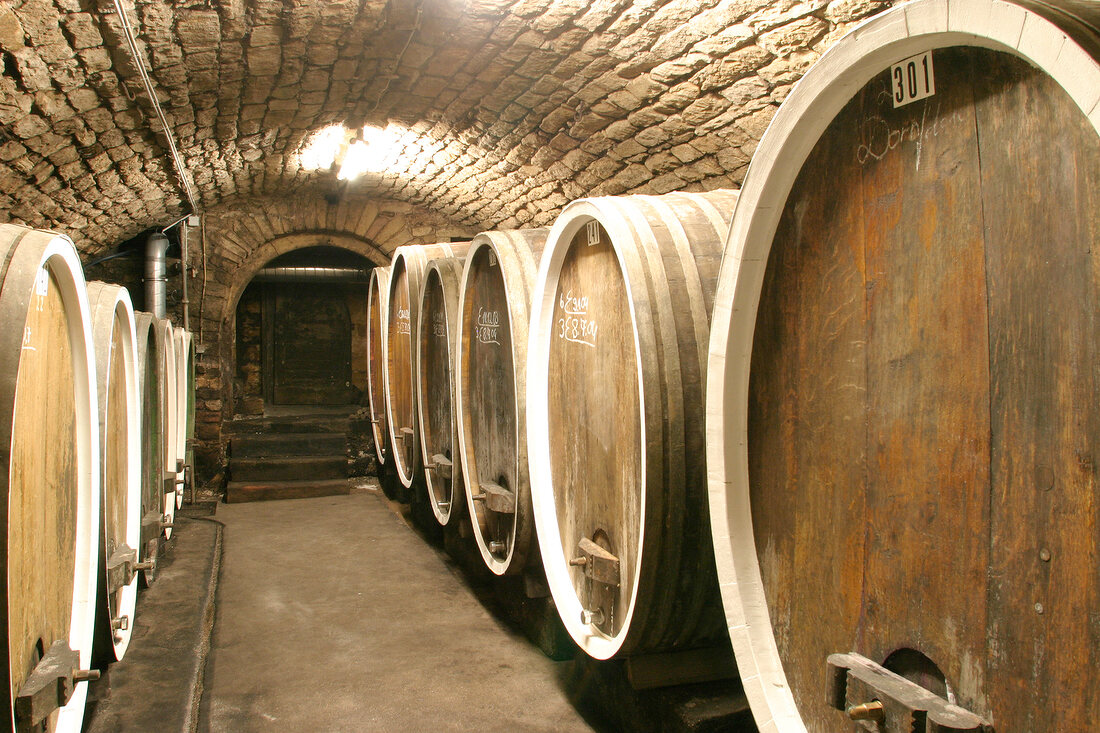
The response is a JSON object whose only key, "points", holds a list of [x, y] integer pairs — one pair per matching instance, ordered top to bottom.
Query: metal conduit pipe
{"points": [[312, 274], [156, 277]]}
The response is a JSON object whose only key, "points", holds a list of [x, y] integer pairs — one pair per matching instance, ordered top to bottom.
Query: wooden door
{"points": [[307, 344]]}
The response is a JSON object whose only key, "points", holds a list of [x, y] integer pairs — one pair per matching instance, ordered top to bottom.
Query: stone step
{"points": [[296, 424], [279, 445], [290, 468], [241, 491]]}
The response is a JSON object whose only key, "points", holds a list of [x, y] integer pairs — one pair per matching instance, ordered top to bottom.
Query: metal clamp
{"points": [[407, 440], [50, 684], [880, 700]]}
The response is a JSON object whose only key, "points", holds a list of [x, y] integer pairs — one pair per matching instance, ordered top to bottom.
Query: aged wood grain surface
{"points": [[1041, 203], [379, 285], [438, 330], [490, 389], [402, 408], [924, 415], [595, 421], [116, 437], [152, 440], [42, 500]]}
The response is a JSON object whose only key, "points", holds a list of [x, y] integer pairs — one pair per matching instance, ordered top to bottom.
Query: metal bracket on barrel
{"points": [[406, 438], [442, 466], [497, 498], [152, 522], [597, 563], [121, 568], [50, 685], [880, 700]]}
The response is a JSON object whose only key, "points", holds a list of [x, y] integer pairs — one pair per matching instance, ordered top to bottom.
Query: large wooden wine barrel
{"points": [[377, 299], [114, 335], [491, 363], [166, 366], [400, 375], [615, 389], [153, 397], [435, 399], [185, 409], [904, 423], [49, 475]]}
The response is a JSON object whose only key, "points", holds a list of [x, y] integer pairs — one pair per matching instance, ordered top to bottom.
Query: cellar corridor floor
{"points": [[333, 615]]}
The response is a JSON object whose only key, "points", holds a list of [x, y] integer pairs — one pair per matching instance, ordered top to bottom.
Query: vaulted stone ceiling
{"points": [[505, 109]]}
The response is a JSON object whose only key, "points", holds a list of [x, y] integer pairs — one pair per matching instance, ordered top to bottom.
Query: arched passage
{"points": [[300, 332]]}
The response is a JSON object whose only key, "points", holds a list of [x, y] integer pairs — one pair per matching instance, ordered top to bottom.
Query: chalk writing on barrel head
{"points": [[486, 326], [575, 326]]}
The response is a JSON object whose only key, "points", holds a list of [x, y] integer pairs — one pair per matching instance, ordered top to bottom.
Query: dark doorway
{"points": [[301, 332], [307, 344]]}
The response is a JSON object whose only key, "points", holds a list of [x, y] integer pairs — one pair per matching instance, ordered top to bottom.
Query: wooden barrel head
{"points": [[494, 300], [376, 322], [113, 333], [401, 352], [167, 375], [436, 389], [615, 399], [400, 400], [489, 400], [185, 402], [921, 413], [595, 429], [152, 443], [51, 466]]}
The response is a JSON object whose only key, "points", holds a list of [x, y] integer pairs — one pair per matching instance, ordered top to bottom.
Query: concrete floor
{"points": [[333, 615]]}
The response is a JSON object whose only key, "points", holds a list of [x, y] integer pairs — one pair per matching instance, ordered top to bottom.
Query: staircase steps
{"points": [[277, 445], [287, 457], [240, 491]]}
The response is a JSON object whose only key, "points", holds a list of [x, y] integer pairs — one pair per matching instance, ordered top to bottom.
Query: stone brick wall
{"points": [[505, 110], [241, 237]]}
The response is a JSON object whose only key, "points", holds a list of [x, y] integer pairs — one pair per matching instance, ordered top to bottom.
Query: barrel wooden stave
{"points": [[377, 302], [494, 303], [437, 330], [114, 335], [167, 374], [400, 376], [615, 396], [185, 408], [152, 442], [899, 444], [50, 472]]}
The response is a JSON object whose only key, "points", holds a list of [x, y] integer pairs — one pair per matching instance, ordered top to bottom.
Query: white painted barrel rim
{"points": [[815, 101], [566, 226], [58, 253], [401, 255], [379, 280], [114, 305], [165, 340], [183, 346], [443, 516], [498, 566]]}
